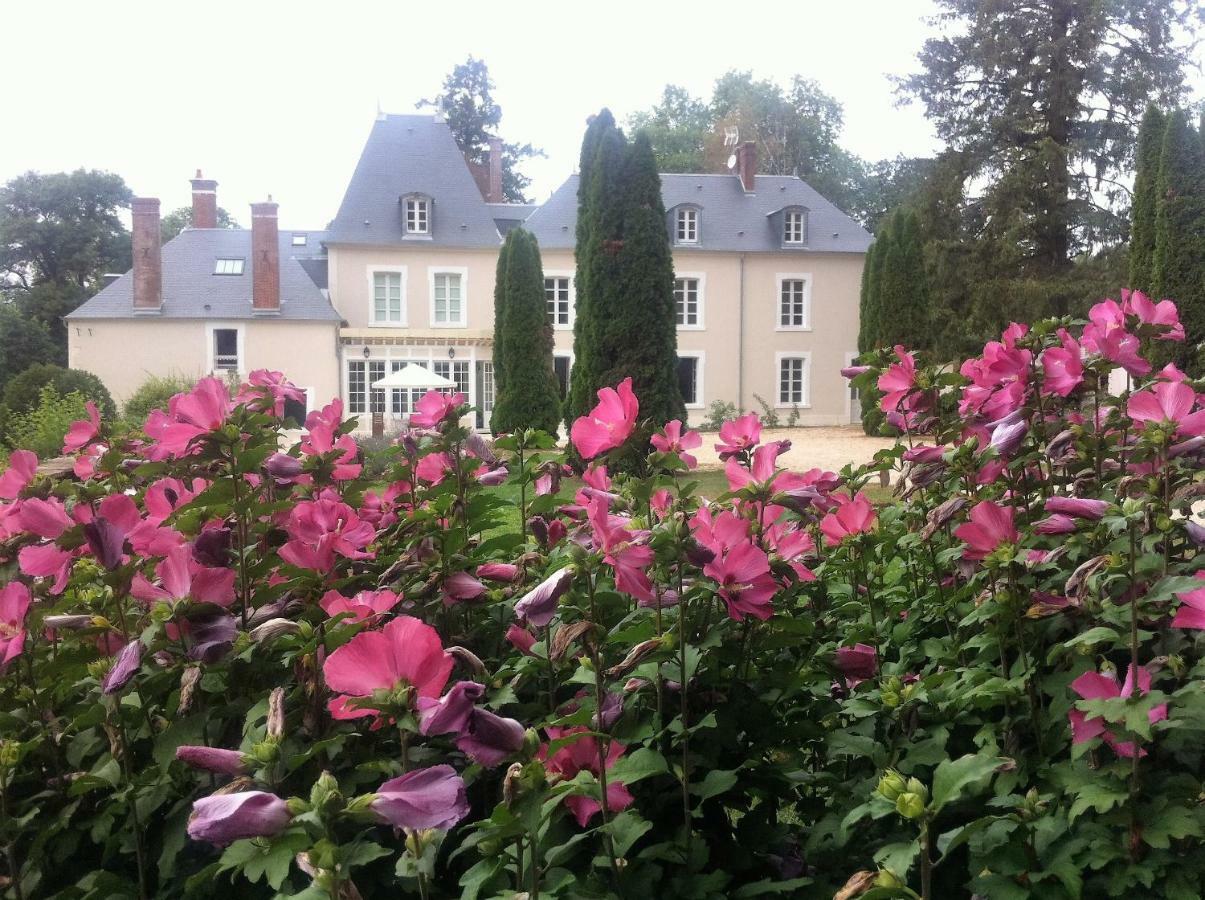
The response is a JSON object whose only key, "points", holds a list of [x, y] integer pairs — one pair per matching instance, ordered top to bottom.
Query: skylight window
{"points": [[299, 240], [228, 266]]}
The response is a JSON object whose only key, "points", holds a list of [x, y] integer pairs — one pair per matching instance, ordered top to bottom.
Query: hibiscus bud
{"points": [[283, 468], [538, 526], [556, 532], [212, 547], [504, 572], [68, 623], [273, 628], [635, 657], [468, 659], [128, 662], [634, 684], [188, 686], [276, 713], [489, 739], [213, 759], [511, 784], [891, 785], [916, 786], [325, 792], [909, 805], [223, 818], [888, 879]]}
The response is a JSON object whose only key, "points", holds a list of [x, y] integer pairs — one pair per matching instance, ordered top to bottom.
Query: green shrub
{"points": [[23, 391], [154, 394], [718, 412], [769, 417], [43, 428]]}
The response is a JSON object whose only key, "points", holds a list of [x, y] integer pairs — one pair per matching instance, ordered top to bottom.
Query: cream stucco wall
{"points": [[123, 353]]}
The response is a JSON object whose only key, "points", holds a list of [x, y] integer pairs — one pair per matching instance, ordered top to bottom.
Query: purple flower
{"points": [[854, 371], [1009, 434], [924, 454], [283, 468], [493, 477], [1078, 507], [1056, 524], [1196, 532], [106, 541], [212, 548], [505, 572], [461, 586], [539, 605], [211, 636], [128, 661], [857, 663], [612, 709], [451, 711], [489, 738], [213, 759], [426, 798], [224, 818]]}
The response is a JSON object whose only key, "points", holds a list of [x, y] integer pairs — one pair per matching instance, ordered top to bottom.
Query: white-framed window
{"points": [[418, 215], [794, 228], [686, 231], [299, 240], [228, 266], [558, 291], [449, 297], [688, 300], [794, 303], [387, 304], [224, 347], [455, 369], [690, 377], [794, 379], [361, 396]]}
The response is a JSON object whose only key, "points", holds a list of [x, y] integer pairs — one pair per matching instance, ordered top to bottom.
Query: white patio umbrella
{"points": [[415, 377]]}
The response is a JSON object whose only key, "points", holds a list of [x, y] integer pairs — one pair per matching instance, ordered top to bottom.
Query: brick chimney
{"points": [[746, 165], [495, 183], [204, 202], [148, 257], [265, 258]]}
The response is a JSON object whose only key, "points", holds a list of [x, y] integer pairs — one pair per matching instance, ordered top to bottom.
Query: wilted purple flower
{"points": [[854, 371], [1009, 433], [478, 447], [1187, 448], [924, 453], [283, 468], [493, 477], [1079, 507], [1056, 524], [539, 528], [1196, 532], [106, 540], [212, 547], [698, 554], [499, 572], [461, 586], [664, 598], [539, 605], [68, 622], [272, 629], [211, 636], [128, 661], [857, 663], [612, 709], [451, 711], [489, 739], [213, 759], [426, 798], [224, 818]]}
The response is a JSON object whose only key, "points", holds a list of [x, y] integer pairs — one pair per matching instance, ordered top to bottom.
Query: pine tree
{"points": [[1142, 230], [598, 233], [1179, 269], [500, 299], [902, 312], [636, 328], [528, 395]]}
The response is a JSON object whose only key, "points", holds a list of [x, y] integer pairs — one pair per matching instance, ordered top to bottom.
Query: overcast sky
{"points": [[277, 98]]}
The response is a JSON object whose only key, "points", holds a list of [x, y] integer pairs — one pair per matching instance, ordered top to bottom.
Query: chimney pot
{"points": [[746, 163], [495, 183], [204, 202], [148, 258], [265, 258]]}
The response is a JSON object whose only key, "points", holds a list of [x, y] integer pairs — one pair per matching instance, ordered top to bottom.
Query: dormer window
{"points": [[417, 214], [794, 227], [687, 228], [298, 240], [229, 266]]}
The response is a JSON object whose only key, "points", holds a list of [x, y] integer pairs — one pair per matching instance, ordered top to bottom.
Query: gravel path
{"points": [[828, 447]]}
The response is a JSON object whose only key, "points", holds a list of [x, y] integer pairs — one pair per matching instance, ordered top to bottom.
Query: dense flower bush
{"points": [[226, 661]]}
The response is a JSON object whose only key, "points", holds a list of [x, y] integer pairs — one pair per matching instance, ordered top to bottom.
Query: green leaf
{"points": [[1093, 636], [643, 763], [953, 776], [716, 782], [1097, 796], [1170, 824], [626, 829], [363, 853], [898, 857], [270, 860], [766, 886]]}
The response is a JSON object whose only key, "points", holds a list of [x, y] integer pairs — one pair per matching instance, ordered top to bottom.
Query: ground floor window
{"points": [[225, 350], [561, 366], [457, 370], [688, 379], [792, 380], [485, 392], [361, 397]]}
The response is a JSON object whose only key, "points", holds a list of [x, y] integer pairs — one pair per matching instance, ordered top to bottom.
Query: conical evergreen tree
{"points": [[1142, 230], [599, 235], [1179, 270], [902, 312], [500, 316], [637, 326], [871, 326], [866, 330], [528, 396]]}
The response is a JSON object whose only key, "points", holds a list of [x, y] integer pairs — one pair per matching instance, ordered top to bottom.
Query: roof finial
{"points": [[380, 112]]}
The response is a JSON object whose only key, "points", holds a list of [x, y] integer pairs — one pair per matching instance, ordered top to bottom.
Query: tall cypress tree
{"points": [[1142, 229], [599, 233], [1179, 270], [874, 286], [902, 312], [500, 316], [637, 326], [866, 331], [528, 396]]}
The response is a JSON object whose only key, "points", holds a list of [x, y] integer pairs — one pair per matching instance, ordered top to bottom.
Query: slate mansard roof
{"points": [[416, 154], [730, 219], [191, 290]]}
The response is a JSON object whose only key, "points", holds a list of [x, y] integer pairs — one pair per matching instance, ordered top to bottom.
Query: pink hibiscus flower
{"points": [[1162, 314], [1062, 367], [898, 381], [1168, 401], [434, 407], [609, 424], [83, 432], [739, 435], [322, 437], [674, 440], [22, 466], [852, 516], [990, 526], [622, 550], [743, 575], [180, 577], [15, 600], [366, 606], [1191, 613], [405, 653], [1095, 686], [582, 756]]}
